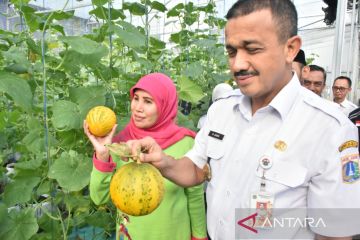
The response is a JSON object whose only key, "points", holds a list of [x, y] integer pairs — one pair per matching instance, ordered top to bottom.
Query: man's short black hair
{"points": [[283, 12], [300, 57], [318, 68], [344, 77]]}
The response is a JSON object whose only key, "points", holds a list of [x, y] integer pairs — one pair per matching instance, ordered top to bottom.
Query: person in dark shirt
{"points": [[354, 116]]}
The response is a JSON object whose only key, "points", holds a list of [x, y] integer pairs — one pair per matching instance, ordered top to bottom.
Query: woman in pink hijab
{"points": [[181, 214]]}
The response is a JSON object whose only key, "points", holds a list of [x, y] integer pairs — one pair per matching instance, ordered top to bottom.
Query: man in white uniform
{"points": [[341, 87], [273, 142]]}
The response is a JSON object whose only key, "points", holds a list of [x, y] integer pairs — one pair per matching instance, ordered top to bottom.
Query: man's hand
{"points": [[149, 151], [180, 171]]}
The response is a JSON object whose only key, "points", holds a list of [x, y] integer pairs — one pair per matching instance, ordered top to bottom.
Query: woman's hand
{"points": [[102, 152]]}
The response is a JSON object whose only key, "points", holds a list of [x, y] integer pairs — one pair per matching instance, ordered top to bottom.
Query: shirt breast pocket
{"points": [[283, 175]]}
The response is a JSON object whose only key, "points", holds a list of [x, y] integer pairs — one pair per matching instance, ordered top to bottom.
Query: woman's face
{"points": [[143, 109]]}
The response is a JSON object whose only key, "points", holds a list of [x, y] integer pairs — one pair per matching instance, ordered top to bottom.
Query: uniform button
{"points": [[221, 223]]}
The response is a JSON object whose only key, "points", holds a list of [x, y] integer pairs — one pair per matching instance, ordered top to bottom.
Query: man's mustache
{"points": [[245, 73]]}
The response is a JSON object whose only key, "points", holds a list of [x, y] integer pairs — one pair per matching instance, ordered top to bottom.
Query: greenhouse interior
{"points": [[62, 58]]}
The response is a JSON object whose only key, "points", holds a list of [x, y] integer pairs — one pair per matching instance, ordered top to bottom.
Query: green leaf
{"points": [[20, 2], [99, 2], [158, 6], [135, 8], [209, 8], [175, 11], [103, 13], [62, 15], [32, 20], [58, 28], [133, 39], [158, 44], [83, 45], [17, 55], [73, 60], [17, 68], [194, 70], [104, 72], [18, 89], [188, 90], [87, 98], [66, 116], [185, 121], [33, 124], [34, 141], [32, 164], [71, 170], [20, 190], [74, 200], [3, 213], [100, 219], [20, 224]]}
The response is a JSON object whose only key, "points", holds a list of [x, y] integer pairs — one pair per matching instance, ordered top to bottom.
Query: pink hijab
{"points": [[164, 131]]}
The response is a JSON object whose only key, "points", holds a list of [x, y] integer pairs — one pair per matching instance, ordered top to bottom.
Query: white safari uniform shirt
{"points": [[346, 107], [308, 174]]}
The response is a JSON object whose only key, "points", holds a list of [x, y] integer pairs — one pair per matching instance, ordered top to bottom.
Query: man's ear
{"points": [[292, 48]]}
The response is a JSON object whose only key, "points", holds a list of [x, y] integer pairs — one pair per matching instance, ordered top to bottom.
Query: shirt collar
{"points": [[285, 99], [282, 102], [344, 103]]}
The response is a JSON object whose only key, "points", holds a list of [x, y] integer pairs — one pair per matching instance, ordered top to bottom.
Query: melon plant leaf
{"points": [[20, 2], [99, 2], [158, 6], [135, 8], [175, 11], [103, 13], [62, 15], [32, 20], [130, 36], [158, 44], [84, 45], [73, 59], [194, 70], [17, 88], [188, 90], [87, 97], [66, 115], [34, 140], [31, 164], [71, 170], [20, 190], [77, 201], [3, 213], [100, 219], [20, 224]]}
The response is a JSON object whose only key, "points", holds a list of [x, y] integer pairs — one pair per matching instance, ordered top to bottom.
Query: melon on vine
{"points": [[101, 120], [136, 188]]}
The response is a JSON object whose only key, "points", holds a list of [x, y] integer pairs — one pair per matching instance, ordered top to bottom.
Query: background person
{"points": [[299, 63], [314, 79], [341, 87], [257, 141], [181, 214]]}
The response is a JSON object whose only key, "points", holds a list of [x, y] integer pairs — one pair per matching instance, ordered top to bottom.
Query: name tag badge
{"points": [[216, 135], [263, 203]]}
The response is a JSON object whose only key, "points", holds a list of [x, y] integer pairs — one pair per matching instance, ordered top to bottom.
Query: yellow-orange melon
{"points": [[100, 120], [137, 189]]}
